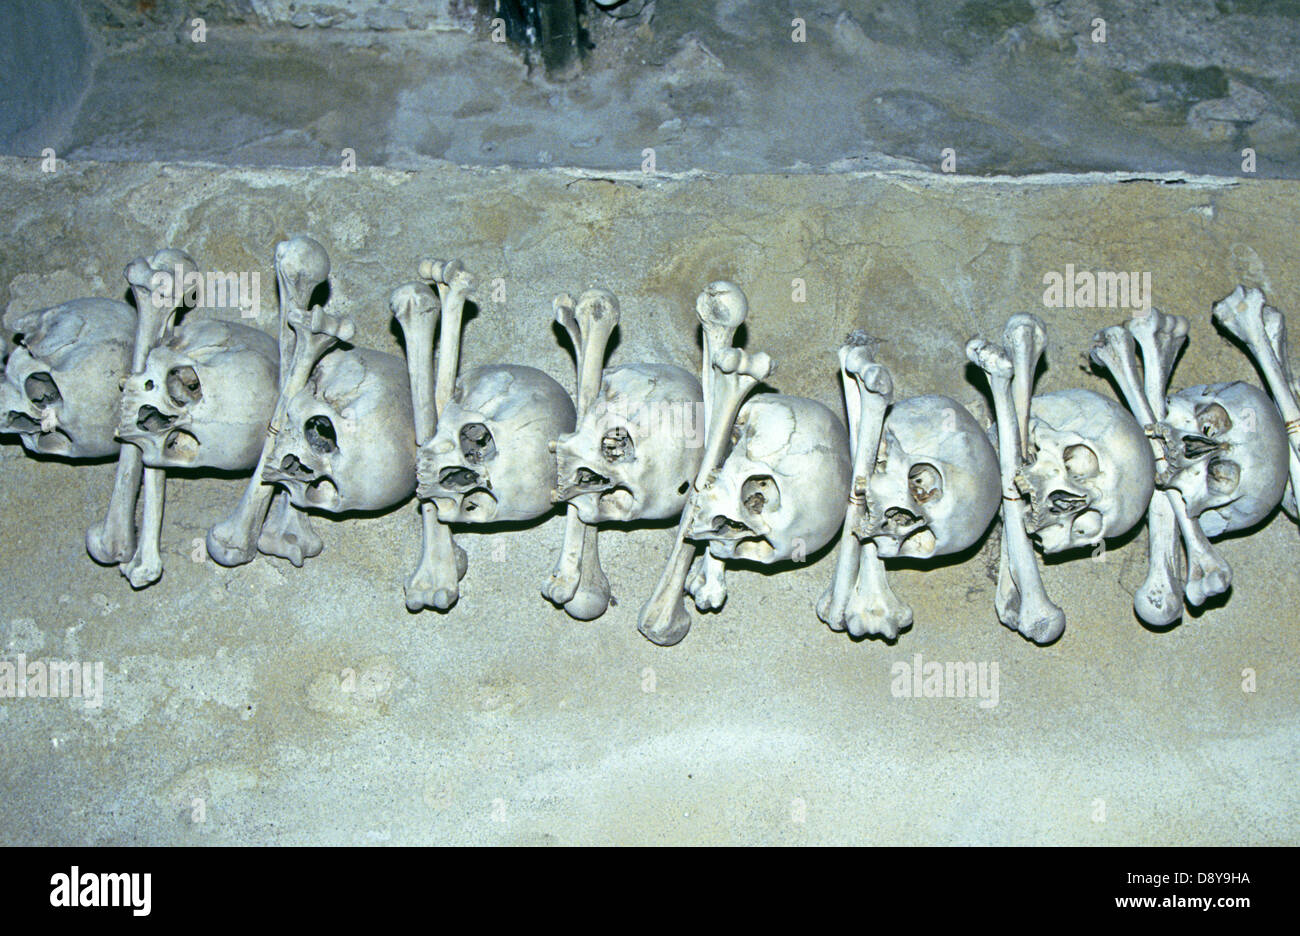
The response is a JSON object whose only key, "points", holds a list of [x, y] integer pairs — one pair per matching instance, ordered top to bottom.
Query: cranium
{"points": [[1262, 330], [63, 378], [204, 398], [348, 439], [635, 453], [1227, 454], [489, 458], [1089, 471], [935, 487], [780, 492]]}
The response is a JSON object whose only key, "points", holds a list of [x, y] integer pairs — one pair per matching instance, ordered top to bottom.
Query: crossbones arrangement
{"points": [[753, 477]]}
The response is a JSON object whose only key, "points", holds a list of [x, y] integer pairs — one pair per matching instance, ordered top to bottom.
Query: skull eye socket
{"points": [[183, 386], [41, 389], [1213, 421], [320, 435], [477, 444], [616, 445], [1080, 461], [1222, 476], [925, 483], [760, 493], [1087, 525]]}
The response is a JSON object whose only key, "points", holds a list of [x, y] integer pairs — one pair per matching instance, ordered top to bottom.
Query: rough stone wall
{"points": [[125, 19], [45, 58]]}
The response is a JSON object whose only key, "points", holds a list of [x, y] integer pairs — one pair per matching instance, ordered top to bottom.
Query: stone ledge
{"points": [[220, 681]]}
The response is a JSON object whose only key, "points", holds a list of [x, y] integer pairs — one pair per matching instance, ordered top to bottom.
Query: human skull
{"points": [[63, 378], [205, 397], [347, 441], [637, 449], [1226, 453], [490, 457], [1089, 471], [935, 487], [780, 493]]}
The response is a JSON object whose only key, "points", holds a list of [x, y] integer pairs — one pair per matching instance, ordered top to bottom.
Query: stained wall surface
{"points": [[505, 721]]}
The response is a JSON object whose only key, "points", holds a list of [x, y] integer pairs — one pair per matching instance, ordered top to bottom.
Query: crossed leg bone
{"points": [[300, 267], [158, 294], [1262, 329], [1161, 337], [728, 376], [287, 533], [234, 540], [1171, 576], [435, 581], [577, 582], [859, 598], [1021, 600], [1159, 600]]}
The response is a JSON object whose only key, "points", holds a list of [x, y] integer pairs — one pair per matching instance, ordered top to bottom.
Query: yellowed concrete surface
{"points": [[504, 721]]}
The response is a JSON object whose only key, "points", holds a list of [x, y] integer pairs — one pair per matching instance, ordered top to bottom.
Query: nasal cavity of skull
{"points": [[183, 386], [42, 390], [150, 419], [21, 422], [320, 435], [477, 444], [616, 445], [1198, 446], [292, 467], [1222, 476], [584, 477], [458, 479], [925, 483], [760, 493], [1066, 503], [898, 522], [726, 528]]}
